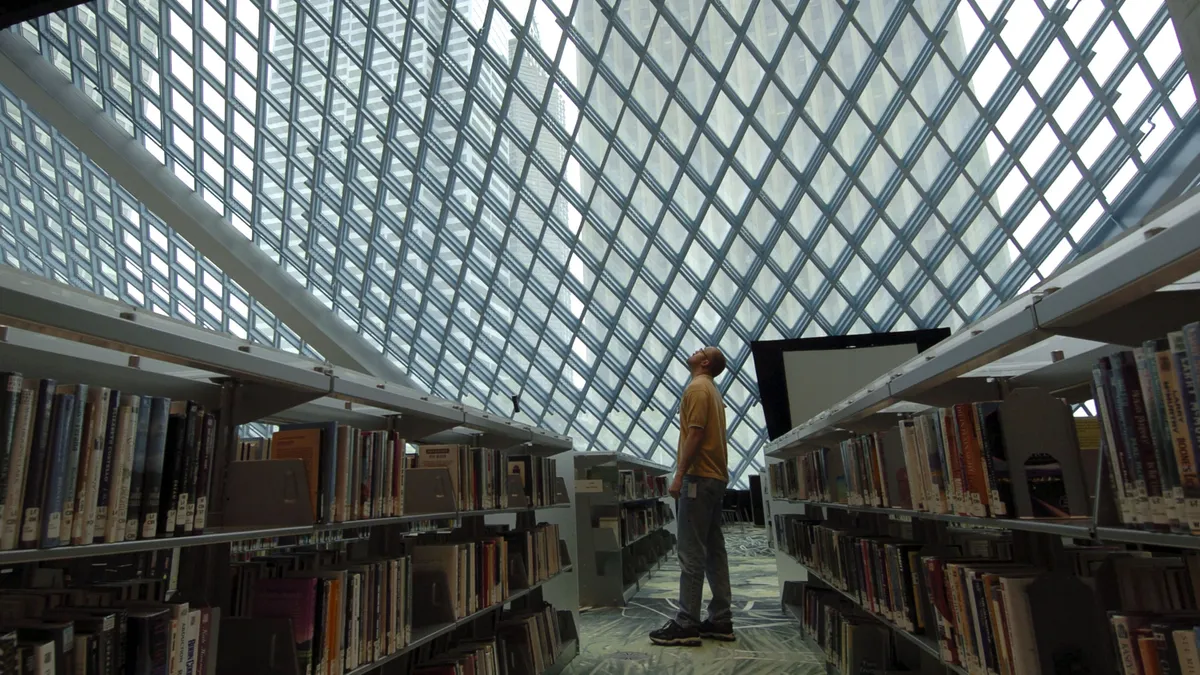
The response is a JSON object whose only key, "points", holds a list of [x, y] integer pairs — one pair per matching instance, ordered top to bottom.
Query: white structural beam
{"points": [[57, 100]]}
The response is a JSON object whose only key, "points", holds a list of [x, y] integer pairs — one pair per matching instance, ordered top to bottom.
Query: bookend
{"points": [[1038, 424], [428, 491], [267, 493], [561, 496], [517, 499], [431, 593], [1072, 635], [257, 647]]}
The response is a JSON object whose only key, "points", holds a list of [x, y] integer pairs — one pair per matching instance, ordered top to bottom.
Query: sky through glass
{"points": [[560, 199]]}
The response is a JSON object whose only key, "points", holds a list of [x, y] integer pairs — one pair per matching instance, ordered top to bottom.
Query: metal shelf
{"points": [[1122, 294], [94, 338], [622, 460], [642, 500], [1080, 528], [226, 535], [1146, 538], [427, 634], [923, 643]]}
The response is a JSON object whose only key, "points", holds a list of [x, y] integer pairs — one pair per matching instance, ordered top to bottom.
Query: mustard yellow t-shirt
{"points": [[703, 410]]}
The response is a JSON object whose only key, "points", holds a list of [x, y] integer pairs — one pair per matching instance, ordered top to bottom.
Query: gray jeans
{"points": [[702, 552]]}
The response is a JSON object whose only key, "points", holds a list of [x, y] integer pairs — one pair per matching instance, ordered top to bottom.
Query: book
{"points": [[61, 432], [74, 449], [38, 465], [152, 479], [133, 509]]}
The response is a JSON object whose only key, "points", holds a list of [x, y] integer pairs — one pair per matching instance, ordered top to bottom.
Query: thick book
{"points": [[11, 385], [177, 427], [60, 438], [208, 442], [74, 453], [108, 456], [91, 461], [18, 462], [39, 465], [187, 468], [122, 469], [152, 477], [133, 510], [149, 641]]}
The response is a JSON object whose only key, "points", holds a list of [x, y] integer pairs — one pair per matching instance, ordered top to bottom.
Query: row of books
{"points": [[1150, 418], [945, 461], [81, 464], [352, 474], [357, 475], [480, 475], [802, 477], [637, 484], [638, 520], [976, 602], [348, 613], [344, 614], [96, 631], [852, 640], [527, 642]]}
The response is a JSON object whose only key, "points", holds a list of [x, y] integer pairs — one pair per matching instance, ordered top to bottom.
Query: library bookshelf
{"points": [[625, 522], [999, 526], [261, 555]]}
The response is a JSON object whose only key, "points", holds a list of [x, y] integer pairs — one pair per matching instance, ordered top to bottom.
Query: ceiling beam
{"points": [[52, 96]]}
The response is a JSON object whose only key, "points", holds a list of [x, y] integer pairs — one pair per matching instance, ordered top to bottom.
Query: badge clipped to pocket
{"points": [[691, 490]]}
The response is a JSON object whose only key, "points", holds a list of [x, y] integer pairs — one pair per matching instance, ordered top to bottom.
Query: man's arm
{"points": [[691, 448]]}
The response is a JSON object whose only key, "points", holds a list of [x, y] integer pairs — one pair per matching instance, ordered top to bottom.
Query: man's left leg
{"points": [[719, 624]]}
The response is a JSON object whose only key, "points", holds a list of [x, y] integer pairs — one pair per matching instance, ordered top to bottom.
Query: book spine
{"points": [[1189, 340], [1157, 355], [1102, 389], [1179, 396], [10, 400], [61, 429], [1138, 434], [111, 442], [208, 445], [74, 454], [173, 455], [90, 459], [39, 465], [18, 468], [328, 471], [152, 482], [118, 502], [184, 509], [133, 512]]}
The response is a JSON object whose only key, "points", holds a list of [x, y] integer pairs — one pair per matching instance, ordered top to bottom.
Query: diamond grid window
{"points": [[562, 198]]}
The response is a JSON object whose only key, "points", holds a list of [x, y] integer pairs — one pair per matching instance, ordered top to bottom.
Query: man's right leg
{"points": [[693, 522], [719, 624]]}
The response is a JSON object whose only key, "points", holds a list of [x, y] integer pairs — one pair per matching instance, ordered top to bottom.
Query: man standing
{"points": [[699, 488]]}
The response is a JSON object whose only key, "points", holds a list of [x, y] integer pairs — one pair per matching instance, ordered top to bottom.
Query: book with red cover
{"points": [[295, 599]]}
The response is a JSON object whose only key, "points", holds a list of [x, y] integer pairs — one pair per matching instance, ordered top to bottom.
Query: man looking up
{"points": [[699, 488]]}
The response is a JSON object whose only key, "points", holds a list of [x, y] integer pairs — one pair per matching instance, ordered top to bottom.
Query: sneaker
{"points": [[718, 631], [674, 635]]}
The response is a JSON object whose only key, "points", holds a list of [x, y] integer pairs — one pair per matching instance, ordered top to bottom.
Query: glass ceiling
{"points": [[559, 199]]}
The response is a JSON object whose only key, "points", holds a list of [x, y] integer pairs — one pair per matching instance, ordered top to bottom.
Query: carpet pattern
{"points": [[614, 641]]}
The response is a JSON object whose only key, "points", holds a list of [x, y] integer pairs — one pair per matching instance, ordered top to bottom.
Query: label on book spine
{"points": [[150, 529]]}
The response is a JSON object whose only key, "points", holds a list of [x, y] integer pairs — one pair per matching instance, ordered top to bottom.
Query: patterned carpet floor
{"points": [[615, 640]]}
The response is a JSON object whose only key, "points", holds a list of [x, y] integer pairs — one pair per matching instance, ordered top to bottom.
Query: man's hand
{"points": [[676, 486]]}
